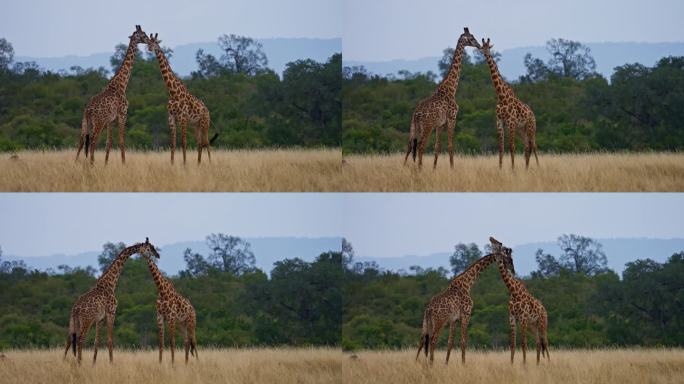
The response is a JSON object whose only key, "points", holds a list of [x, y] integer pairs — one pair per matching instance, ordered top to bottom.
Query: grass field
{"points": [[240, 171], [602, 172], [318, 365], [578, 366]]}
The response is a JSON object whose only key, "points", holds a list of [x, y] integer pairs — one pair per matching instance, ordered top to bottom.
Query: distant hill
{"points": [[279, 52], [606, 55], [267, 250], [618, 252]]}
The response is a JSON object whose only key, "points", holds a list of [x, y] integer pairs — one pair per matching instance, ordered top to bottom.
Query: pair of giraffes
{"points": [[111, 105], [439, 110], [455, 303], [99, 305]]}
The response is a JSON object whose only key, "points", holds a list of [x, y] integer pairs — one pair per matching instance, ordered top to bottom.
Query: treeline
{"points": [[251, 106], [577, 110], [236, 303], [588, 304]]}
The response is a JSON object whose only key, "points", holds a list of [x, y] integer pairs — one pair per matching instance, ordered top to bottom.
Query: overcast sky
{"points": [[47, 28], [381, 30], [35, 224], [377, 224], [399, 224]]}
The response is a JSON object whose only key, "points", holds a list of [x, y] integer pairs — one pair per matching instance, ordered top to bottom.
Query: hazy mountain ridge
{"points": [[279, 52], [607, 55], [267, 250], [618, 252]]}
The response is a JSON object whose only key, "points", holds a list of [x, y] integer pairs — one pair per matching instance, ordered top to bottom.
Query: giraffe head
{"points": [[139, 36], [468, 39], [153, 43], [486, 46], [147, 249], [503, 254]]}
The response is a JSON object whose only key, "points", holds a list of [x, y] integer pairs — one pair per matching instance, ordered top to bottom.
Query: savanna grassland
{"points": [[282, 170], [593, 172], [263, 365], [566, 366]]}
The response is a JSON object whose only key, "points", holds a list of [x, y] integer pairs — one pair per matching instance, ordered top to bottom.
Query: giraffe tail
{"points": [[213, 138], [413, 138], [87, 144], [545, 337]]}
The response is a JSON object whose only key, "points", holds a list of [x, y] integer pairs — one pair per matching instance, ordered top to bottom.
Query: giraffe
{"points": [[110, 104], [183, 107], [439, 110], [511, 113], [99, 304], [452, 304], [173, 307], [523, 308]]}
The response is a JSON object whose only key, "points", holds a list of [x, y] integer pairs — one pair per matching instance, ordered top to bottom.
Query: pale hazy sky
{"points": [[46, 28], [382, 30], [41, 224], [377, 224], [399, 224]]}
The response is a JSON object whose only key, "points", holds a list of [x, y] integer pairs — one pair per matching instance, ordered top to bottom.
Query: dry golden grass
{"points": [[244, 171], [600, 172], [318, 365], [621, 366]]}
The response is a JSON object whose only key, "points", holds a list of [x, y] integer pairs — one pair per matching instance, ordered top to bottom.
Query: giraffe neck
{"points": [[120, 80], [450, 81], [499, 84], [173, 85], [110, 276], [468, 277], [507, 278], [159, 279]]}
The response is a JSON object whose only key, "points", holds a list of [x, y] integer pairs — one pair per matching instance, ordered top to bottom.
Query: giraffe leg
{"points": [[451, 125], [172, 127], [500, 131], [84, 132], [531, 134], [96, 135], [122, 136], [184, 137], [109, 142], [423, 142], [511, 142], [200, 143], [438, 145], [408, 150], [511, 319], [85, 326], [160, 326], [110, 332], [464, 336], [97, 339], [172, 339], [193, 339], [433, 339], [523, 340], [186, 341], [68, 344], [420, 344], [450, 345], [538, 346]]}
